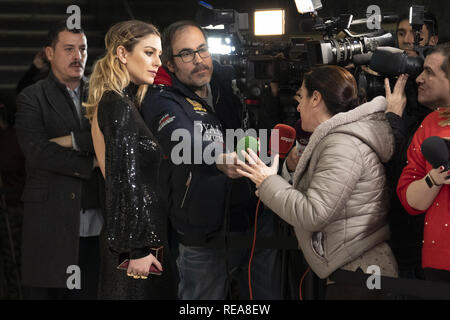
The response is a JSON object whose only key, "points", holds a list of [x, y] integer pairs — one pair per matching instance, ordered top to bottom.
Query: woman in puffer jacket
{"points": [[335, 197]]}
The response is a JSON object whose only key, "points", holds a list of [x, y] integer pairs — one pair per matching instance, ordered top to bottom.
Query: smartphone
{"points": [[157, 252]]}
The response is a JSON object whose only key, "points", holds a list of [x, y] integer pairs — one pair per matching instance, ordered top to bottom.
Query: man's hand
{"points": [[396, 100], [65, 141], [292, 159], [227, 163]]}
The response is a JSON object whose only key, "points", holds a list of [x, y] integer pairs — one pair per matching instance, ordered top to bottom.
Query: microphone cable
{"points": [[252, 251], [301, 283]]}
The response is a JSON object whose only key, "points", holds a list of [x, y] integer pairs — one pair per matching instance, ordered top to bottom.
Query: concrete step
{"points": [[44, 6], [34, 21], [36, 38]]}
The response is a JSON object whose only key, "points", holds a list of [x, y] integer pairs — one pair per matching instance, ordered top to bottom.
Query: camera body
{"points": [[258, 62]]}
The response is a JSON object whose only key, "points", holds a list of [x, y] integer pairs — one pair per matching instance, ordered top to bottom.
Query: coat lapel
{"points": [[61, 103]]}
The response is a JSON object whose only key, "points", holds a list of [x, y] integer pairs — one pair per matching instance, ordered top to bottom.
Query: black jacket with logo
{"points": [[196, 191]]}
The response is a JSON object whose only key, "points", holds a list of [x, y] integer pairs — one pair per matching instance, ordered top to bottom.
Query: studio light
{"points": [[269, 22]]}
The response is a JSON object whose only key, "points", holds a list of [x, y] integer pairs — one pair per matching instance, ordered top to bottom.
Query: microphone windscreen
{"points": [[300, 135], [283, 136], [244, 143], [435, 151]]}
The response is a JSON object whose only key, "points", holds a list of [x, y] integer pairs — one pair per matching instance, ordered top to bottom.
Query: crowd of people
{"points": [[103, 191]]}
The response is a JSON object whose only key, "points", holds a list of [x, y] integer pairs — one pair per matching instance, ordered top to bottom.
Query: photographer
{"points": [[405, 34], [405, 113], [421, 188]]}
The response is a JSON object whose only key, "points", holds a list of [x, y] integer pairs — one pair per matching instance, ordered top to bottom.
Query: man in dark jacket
{"points": [[194, 100], [405, 114], [62, 219]]}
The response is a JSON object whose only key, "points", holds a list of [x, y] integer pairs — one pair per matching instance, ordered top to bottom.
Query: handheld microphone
{"points": [[284, 137], [301, 137], [244, 143], [435, 151]]}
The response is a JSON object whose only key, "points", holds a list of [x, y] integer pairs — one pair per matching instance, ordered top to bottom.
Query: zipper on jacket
{"points": [[188, 184]]}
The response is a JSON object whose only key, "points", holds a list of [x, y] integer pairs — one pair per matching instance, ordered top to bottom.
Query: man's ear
{"points": [[433, 40], [49, 52], [122, 53], [170, 66]]}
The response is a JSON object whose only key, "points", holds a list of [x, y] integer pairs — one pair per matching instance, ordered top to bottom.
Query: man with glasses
{"points": [[205, 201]]}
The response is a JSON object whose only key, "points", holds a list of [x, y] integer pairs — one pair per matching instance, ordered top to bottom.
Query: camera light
{"points": [[304, 6], [308, 6], [269, 22], [217, 27], [216, 46]]}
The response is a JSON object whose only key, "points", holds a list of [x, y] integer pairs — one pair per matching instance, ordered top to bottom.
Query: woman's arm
{"points": [[99, 143], [336, 174], [420, 196]]}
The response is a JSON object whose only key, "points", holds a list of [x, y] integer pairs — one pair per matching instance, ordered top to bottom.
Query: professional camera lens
{"points": [[391, 63]]}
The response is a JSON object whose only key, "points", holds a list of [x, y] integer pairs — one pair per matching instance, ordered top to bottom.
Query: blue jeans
{"points": [[203, 271]]}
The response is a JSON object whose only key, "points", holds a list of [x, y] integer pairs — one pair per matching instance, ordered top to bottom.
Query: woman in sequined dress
{"points": [[129, 158]]}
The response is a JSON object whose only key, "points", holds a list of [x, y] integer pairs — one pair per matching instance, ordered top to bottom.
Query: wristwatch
{"points": [[429, 181]]}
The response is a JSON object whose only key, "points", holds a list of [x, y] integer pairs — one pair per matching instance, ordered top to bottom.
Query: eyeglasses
{"points": [[189, 55]]}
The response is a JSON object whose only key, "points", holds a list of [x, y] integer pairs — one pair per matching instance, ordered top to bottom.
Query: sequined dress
{"points": [[134, 217]]}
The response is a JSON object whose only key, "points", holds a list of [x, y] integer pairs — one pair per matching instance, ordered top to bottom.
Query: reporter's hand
{"points": [[396, 100], [292, 159], [227, 163], [256, 170], [439, 176], [141, 267]]}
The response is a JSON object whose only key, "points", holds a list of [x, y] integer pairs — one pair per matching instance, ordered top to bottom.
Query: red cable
{"points": [[253, 249], [301, 283]]}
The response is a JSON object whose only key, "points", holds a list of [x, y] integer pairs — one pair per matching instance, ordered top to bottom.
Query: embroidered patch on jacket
{"points": [[198, 108], [165, 120]]}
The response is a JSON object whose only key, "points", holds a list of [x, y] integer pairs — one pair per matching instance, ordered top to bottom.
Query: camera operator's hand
{"points": [[396, 100]]}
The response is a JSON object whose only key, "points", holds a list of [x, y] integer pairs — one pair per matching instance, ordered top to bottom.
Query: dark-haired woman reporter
{"points": [[337, 201]]}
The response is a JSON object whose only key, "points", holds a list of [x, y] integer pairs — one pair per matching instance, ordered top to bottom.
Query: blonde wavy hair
{"points": [[109, 74]]}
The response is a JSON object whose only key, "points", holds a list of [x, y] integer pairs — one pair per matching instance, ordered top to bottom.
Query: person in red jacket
{"points": [[424, 189]]}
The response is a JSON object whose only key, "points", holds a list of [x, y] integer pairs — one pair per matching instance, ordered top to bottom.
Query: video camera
{"points": [[258, 61]]}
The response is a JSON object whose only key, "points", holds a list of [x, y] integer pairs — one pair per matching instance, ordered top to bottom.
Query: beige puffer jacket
{"points": [[338, 201]]}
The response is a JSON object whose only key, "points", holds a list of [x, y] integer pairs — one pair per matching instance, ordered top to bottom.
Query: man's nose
{"points": [[409, 37], [77, 55], [197, 58], [419, 79]]}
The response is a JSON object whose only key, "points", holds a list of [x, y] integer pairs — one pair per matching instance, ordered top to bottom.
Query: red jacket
{"points": [[436, 242]]}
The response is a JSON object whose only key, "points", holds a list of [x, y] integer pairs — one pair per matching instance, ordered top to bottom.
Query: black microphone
{"points": [[435, 151]]}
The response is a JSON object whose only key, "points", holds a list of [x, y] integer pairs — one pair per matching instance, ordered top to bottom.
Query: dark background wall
{"points": [[23, 23]]}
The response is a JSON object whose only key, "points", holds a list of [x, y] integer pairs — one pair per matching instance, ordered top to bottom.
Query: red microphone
{"points": [[282, 137]]}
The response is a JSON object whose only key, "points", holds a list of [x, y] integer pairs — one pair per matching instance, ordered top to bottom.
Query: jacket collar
{"points": [[167, 79], [377, 105]]}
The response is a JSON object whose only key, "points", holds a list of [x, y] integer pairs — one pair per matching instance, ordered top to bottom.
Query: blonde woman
{"points": [[129, 157]]}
